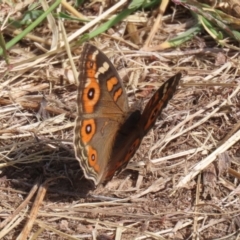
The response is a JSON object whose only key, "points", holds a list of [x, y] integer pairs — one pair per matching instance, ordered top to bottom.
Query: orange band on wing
{"points": [[91, 69], [111, 83], [91, 91], [117, 94], [91, 95], [87, 130], [92, 159]]}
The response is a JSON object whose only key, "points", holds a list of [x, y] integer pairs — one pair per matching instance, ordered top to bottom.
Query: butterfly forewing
{"points": [[102, 107]]}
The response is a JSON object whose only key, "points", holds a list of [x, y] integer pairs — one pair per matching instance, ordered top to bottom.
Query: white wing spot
{"points": [[94, 55], [102, 70]]}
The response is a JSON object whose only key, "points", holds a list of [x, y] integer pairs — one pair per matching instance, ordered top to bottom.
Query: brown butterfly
{"points": [[106, 136]]}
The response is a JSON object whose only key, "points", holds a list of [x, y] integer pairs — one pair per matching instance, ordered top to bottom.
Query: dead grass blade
{"points": [[34, 211]]}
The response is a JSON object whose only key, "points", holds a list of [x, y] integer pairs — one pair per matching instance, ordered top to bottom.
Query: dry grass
{"points": [[183, 181]]}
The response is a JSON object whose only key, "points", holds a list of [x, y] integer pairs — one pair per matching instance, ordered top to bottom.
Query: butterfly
{"points": [[106, 134]]}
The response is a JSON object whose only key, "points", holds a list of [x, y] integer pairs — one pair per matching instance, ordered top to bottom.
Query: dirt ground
{"points": [[182, 183]]}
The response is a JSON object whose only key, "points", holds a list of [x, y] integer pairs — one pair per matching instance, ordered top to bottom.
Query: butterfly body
{"points": [[106, 134]]}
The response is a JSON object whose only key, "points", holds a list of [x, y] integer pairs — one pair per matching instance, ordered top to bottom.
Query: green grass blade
{"points": [[134, 5], [68, 17], [214, 21], [105, 26], [30, 27], [211, 29], [186, 36], [3, 46]]}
